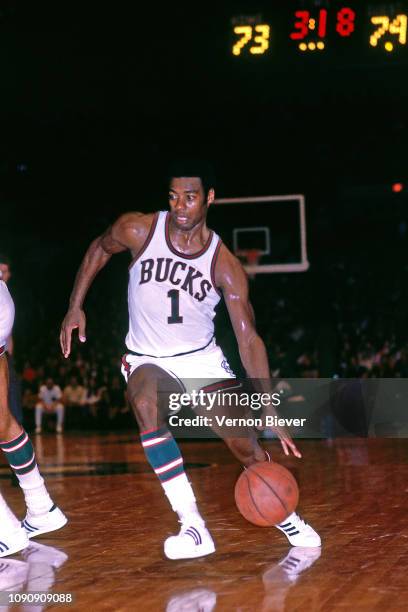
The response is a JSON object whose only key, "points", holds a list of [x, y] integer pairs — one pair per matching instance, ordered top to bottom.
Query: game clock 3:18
{"points": [[308, 30]]}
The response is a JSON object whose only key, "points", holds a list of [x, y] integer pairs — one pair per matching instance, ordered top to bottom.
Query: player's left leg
{"points": [[244, 445], [42, 514]]}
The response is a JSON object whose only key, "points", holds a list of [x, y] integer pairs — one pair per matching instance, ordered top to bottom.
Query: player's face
{"points": [[188, 204], [5, 272]]}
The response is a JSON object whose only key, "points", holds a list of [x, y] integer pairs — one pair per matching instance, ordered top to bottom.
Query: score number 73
{"points": [[246, 34]]}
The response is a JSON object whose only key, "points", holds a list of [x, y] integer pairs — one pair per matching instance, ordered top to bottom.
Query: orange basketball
{"points": [[266, 493]]}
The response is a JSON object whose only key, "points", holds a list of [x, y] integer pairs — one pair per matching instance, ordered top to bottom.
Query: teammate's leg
{"points": [[148, 390], [42, 514]]}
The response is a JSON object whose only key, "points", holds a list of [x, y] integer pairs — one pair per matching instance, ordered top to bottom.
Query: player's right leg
{"points": [[148, 390]]}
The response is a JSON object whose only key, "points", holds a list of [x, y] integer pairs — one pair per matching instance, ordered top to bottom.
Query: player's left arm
{"points": [[231, 278]]}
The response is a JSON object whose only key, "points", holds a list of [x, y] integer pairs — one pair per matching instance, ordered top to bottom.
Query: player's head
{"points": [[191, 191], [5, 268], [49, 383]]}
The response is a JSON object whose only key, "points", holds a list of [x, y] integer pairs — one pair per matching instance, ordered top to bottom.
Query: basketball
{"points": [[266, 493]]}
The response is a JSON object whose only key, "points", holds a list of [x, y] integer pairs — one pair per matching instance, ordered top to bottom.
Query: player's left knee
{"points": [[6, 424]]}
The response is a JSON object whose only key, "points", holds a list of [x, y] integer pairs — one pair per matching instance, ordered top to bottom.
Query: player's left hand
{"points": [[286, 441], [288, 444]]}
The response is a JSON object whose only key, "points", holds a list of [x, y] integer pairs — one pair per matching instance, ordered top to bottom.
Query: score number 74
{"points": [[246, 33]]}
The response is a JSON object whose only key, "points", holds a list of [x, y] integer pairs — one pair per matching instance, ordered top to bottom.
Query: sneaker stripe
{"points": [[52, 507], [283, 525], [28, 526], [290, 529], [191, 532], [293, 533], [198, 534], [192, 535], [4, 546]]}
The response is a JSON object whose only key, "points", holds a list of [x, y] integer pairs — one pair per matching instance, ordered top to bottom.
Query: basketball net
{"points": [[251, 259]]}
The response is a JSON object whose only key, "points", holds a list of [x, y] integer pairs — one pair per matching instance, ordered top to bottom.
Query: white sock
{"points": [[36, 495], [181, 497], [8, 520]]}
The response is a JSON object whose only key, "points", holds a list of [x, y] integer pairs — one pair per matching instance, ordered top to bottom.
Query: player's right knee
{"points": [[145, 410]]}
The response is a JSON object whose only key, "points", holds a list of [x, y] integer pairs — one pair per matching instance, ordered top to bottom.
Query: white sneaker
{"points": [[59, 429], [38, 430], [50, 521], [298, 532], [13, 541], [191, 542]]}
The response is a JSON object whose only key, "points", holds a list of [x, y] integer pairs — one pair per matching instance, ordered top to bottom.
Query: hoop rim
{"points": [[251, 255]]}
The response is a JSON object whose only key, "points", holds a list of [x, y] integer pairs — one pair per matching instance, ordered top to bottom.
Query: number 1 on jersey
{"points": [[174, 295]]}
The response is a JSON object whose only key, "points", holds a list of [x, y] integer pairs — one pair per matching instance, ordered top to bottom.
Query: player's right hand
{"points": [[74, 319]]}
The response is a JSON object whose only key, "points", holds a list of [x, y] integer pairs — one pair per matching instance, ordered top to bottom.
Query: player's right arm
{"points": [[129, 232]]}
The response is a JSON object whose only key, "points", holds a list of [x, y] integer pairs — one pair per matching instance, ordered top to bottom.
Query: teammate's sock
{"points": [[20, 454], [163, 454], [8, 521]]}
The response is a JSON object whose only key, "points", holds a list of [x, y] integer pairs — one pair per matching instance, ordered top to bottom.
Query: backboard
{"points": [[273, 225]]}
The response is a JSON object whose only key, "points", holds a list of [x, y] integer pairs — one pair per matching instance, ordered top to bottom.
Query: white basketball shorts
{"points": [[194, 371]]}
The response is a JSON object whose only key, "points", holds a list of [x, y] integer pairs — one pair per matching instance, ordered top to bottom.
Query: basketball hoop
{"points": [[251, 257]]}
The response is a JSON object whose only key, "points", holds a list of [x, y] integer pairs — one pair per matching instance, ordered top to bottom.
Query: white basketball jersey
{"points": [[171, 295], [6, 315]]}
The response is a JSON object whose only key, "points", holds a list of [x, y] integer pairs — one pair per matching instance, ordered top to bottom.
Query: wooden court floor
{"points": [[354, 492]]}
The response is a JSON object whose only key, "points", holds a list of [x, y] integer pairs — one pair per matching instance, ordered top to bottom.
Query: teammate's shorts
{"points": [[6, 315], [194, 371]]}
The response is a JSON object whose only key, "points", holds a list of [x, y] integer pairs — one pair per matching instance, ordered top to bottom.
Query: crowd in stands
{"points": [[85, 391]]}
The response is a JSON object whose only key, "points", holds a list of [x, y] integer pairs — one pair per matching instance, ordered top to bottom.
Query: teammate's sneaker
{"points": [[59, 429], [50, 521], [298, 532], [13, 541], [192, 541]]}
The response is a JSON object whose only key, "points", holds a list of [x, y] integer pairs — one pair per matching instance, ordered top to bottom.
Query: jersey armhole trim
{"points": [[147, 241], [213, 264]]}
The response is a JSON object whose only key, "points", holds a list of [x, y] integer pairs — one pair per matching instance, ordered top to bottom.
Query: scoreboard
{"points": [[320, 27]]}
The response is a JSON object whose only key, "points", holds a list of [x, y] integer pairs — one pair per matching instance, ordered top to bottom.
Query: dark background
{"points": [[96, 99]]}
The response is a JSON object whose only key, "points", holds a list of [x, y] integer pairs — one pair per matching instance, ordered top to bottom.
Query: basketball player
{"points": [[180, 271], [14, 383], [42, 514]]}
